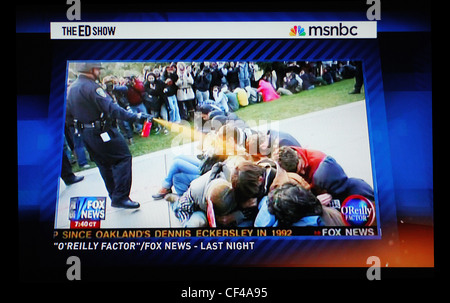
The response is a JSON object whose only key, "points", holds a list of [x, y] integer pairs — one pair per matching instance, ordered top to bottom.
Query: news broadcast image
{"points": [[250, 140]]}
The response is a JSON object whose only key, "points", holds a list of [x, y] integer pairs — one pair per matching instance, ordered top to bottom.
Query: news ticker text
{"points": [[82, 234]]}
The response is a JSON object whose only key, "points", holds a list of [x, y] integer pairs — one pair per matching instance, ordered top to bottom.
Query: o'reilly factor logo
{"points": [[334, 30], [357, 210]]}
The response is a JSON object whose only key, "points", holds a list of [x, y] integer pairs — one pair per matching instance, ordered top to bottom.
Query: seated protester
{"points": [[328, 75], [308, 80], [292, 84], [267, 91], [241, 95], [252, 95], [220, 98], [233, 102], [209, 111], [229, 119], [278, 138], [228, 141], [261, 145], [257, 146], [314, 166], [184, 169], [324, 174], [251, 182], [353, 186], [357, 186], [221, 195], [293, 205], [191, 207], [266, 219]]}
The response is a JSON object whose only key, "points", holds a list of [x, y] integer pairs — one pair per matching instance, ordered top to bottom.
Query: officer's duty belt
{"points": [[95, 125]]}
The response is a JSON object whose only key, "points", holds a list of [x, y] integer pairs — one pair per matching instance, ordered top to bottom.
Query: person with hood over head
{"points": [[267, 90], [326, 177], [214, 186], [290, 202]]}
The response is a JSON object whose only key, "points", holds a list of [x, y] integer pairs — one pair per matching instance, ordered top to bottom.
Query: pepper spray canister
{"points": [[146, 128]]}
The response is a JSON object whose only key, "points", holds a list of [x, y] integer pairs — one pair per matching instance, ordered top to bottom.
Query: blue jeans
{"points": [[243, 83], [201, 96], [222, 102], [174, 111], [182, 172], [197, 219]]}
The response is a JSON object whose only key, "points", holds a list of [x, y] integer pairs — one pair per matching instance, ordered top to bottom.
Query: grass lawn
{"points": [[319, 98], [304, 102]]}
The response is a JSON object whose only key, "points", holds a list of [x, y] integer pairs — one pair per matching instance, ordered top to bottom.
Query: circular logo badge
{"points": [[358, 211]]}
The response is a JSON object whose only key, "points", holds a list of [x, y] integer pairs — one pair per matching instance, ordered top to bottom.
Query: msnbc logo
{"points": [[297, 30]]}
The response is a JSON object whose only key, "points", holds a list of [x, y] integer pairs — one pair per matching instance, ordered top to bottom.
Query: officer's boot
{"points": [[125, 204]]}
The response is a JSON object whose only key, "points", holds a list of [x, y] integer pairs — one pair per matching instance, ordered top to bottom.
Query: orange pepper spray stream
{"points": [[186, 131], [221, 146]]}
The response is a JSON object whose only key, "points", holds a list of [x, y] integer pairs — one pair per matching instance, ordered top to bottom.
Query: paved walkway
{"points": [[340, 132]]}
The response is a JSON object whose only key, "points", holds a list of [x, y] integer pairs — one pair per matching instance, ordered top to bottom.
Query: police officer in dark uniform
{"points": [[93, 113]]}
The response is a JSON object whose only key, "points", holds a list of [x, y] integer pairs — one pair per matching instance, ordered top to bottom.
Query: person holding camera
{"points": [[202, 83], [170, 92], [185, 92], [134, 94], [119, 95], [154, 97]]}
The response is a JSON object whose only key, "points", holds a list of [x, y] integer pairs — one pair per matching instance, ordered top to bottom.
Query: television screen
{"points": [[245, 134], [223, 140]]}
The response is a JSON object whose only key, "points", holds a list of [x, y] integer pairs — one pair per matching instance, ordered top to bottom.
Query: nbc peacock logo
{"points": [[297, 30]]}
